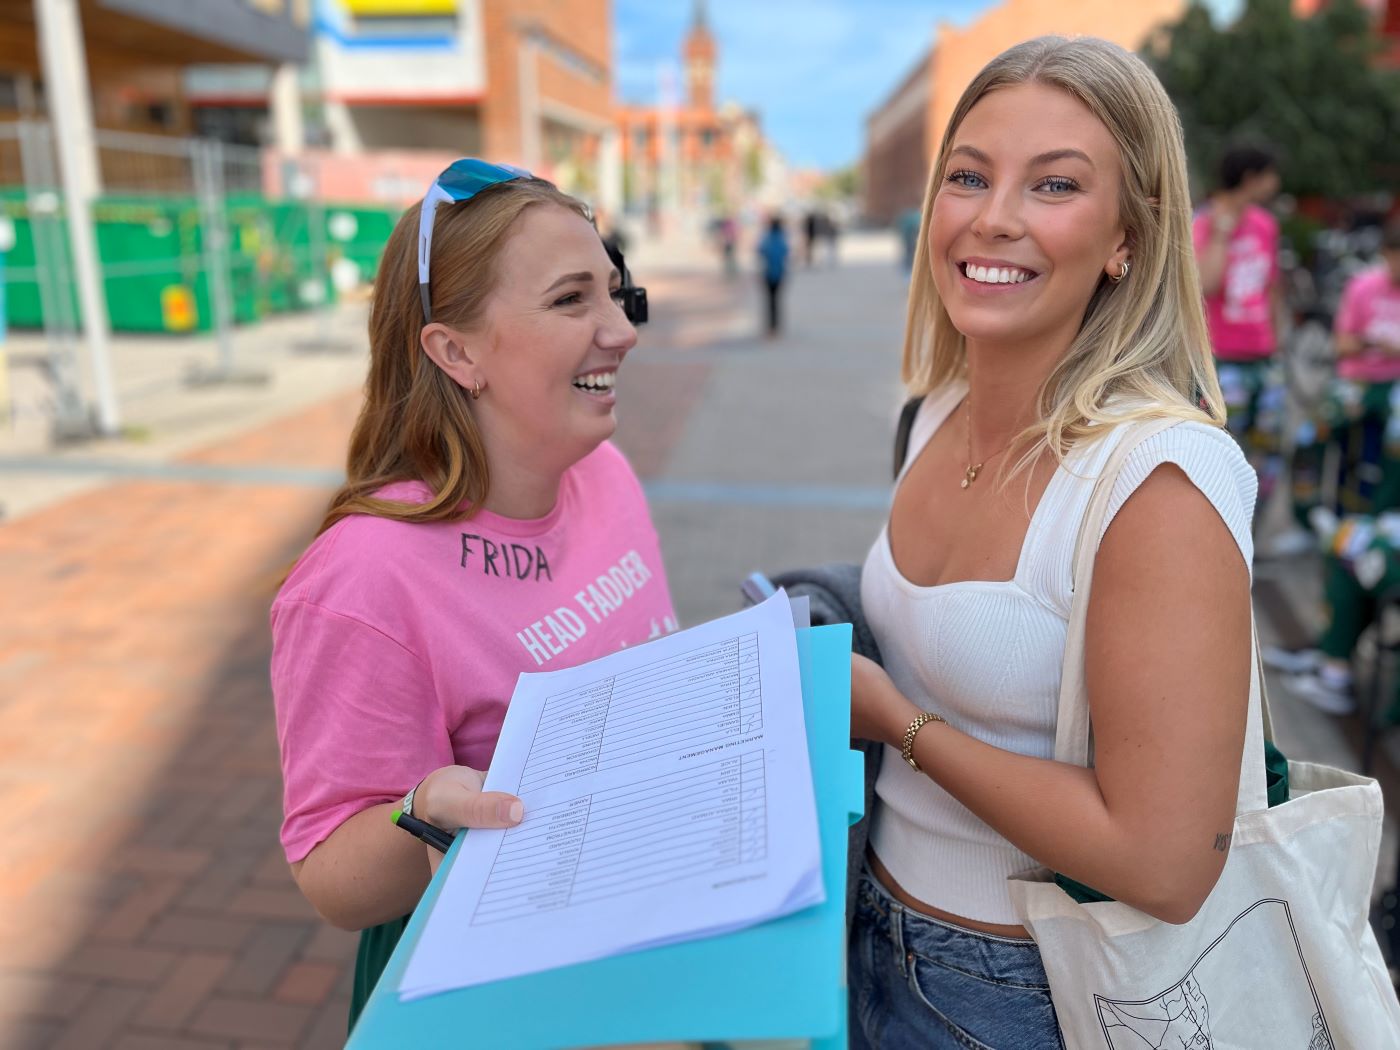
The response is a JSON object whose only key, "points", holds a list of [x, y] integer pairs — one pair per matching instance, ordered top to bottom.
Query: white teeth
{"points": [[997, 274], [598, 382]]}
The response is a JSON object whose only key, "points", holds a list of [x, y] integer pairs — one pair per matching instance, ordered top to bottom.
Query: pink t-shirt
{"points": [[1371, 309], [1240, 314], [396, 647]]}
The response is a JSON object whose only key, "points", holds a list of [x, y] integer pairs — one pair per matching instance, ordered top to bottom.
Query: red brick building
{"points": [[523, 81], [689, 152]]}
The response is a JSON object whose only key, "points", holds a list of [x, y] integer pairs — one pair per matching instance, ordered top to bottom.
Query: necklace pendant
{"points": [[970, 475]]}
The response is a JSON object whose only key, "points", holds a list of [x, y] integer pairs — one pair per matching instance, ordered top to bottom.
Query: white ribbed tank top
{"points": [[986, 655]]}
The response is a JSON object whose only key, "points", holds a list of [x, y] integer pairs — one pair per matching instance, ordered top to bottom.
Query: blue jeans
{"points": [[920, 983]]}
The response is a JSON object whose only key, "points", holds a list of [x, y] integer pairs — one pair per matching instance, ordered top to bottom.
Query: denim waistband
{"points": [[1005, 960]]}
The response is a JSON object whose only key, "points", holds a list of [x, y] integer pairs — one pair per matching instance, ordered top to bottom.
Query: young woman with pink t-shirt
{"points": [[1236, 242], [1367, 331], [486, 527]]}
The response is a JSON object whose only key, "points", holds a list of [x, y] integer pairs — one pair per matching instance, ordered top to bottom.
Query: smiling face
{"points": [[1025, 221], [549, 347]]}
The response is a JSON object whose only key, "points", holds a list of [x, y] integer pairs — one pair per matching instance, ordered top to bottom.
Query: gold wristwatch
{"points": [[907, 750]]}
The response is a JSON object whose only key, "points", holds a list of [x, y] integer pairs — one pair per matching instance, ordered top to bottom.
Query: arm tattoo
{"points": [[1222, 842]]}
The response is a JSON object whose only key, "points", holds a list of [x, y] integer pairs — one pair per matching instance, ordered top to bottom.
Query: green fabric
{"points": [[1362, 420], [1350, 608], [1276, 779], [376, 945]]}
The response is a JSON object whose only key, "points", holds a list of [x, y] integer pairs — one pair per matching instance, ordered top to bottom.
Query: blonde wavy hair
{"points": [[1143, 342]]}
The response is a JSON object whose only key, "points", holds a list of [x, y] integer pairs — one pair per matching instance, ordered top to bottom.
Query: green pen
{"points": [[434, 836]]}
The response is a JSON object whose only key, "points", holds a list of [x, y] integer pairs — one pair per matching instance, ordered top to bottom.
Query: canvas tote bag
{"points": [[1280, 956]]}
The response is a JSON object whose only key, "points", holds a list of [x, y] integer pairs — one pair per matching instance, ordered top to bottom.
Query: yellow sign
{"points": [[382, 8], [177, 309]]}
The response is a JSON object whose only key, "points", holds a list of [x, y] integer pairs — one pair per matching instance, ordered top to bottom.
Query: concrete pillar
{"points": [[64, 62], [284, 100], [340, 122], [531, 152], [610, 171], [666, 180]]}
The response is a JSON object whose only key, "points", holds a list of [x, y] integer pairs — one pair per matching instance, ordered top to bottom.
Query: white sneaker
{"points": [[1291, 661], [1326, 698]]}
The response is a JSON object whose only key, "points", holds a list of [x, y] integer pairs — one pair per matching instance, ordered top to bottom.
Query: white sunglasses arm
{"points": [[435, 196]]}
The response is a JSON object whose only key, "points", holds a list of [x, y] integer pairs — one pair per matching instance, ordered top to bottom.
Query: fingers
{"points": [[457, 801], [493, 809]]}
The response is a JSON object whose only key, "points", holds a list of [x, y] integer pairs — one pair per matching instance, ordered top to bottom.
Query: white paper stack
{"points": [[668, 796]]}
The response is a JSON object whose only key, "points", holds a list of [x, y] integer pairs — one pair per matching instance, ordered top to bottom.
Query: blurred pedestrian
{"points": [[907, 224], [811, 230], [831, 230], [726, 232], [614, 238], [1236, 242], [773, 257], [1057, 307], [1367, 330], [1367, 337], [482, 491]]}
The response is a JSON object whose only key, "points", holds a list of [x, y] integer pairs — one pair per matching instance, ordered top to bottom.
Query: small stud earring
{"points": [[1121, 273]]}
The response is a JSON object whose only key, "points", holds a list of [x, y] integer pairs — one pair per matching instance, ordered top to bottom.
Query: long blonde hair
{"points": [[1143, 342], [416, 423]]}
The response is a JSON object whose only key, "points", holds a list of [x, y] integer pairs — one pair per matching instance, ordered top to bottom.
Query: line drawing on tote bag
{"points": [[1179, 1018]]}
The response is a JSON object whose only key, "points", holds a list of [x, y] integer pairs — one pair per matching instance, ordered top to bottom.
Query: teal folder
{"points": [[784, 979]]}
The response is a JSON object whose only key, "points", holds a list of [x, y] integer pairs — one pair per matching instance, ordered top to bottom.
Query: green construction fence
{"points": [[152, 252]]}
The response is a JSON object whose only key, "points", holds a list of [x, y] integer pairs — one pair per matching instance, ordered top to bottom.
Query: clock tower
{"points": [[699, 55]]}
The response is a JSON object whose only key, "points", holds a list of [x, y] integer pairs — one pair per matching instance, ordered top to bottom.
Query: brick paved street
{"points": [[148, 906]]}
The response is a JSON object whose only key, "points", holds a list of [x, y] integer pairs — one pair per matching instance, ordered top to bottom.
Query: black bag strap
{"points": [[901, 432]]}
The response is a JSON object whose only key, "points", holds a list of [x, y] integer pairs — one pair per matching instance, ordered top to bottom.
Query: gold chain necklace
{"points": [[973, 469]]}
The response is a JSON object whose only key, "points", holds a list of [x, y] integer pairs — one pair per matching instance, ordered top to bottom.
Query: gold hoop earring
{"points": [[1121, 273], [476, 390]]}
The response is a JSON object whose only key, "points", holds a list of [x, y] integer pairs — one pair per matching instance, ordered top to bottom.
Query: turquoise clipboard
{"points": [[784, 979]]}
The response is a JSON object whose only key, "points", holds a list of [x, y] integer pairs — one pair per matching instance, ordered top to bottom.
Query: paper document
{"points": [[668, 796]]}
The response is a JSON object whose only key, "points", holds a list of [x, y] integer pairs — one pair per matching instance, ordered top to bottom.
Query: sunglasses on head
{"points": [[462, 181]]}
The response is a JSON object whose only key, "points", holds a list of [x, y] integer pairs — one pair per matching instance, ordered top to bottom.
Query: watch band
{"points": [[907, 750], [406, 807]]}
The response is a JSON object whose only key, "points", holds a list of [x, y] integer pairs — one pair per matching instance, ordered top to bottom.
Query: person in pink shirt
{"points": [[1236, 243], [1367, 325], [1367, 331], [1367, 339], [486, 527]]}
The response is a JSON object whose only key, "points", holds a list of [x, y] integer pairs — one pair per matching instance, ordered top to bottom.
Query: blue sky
{"points": [[813, 68]]}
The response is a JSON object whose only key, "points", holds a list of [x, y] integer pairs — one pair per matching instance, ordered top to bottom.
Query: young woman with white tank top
{"points": [[1054, 298]]}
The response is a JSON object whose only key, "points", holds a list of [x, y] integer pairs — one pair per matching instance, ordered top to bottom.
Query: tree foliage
{"points": [[1309, 89], [842, 184]]}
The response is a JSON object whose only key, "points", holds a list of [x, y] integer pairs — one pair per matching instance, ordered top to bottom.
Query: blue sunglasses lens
{"points": [[465, 178]]}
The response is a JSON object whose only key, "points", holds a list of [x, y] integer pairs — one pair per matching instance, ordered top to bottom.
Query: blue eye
{"points": [[966, 179], [1058, 184], [568, 300]]}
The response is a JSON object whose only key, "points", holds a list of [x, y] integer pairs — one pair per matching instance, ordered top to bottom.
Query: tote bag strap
{"points": [[1073, 732]]}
